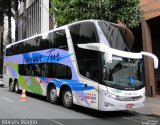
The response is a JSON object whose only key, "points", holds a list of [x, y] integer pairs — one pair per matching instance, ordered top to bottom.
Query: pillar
{"points": [[44, 16], [149, 68]]}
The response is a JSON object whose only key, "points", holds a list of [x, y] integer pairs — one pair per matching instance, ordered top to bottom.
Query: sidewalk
{"points": [[151, 106]]}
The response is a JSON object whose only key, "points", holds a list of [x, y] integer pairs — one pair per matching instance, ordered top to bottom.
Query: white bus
{"points": [[85, 63]]}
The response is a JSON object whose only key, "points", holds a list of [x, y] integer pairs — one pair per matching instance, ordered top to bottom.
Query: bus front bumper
{"points": [[109, 104]]}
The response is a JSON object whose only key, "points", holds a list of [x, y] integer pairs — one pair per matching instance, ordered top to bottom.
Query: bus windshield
{"points": [[118, 37], [123, 73]]}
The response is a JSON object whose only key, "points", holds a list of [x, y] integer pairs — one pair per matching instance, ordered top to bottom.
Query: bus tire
{"points": [[11, 86], [16, 87], [52, 95], [67, 98]]}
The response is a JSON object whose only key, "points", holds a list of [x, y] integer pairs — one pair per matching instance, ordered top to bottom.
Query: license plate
{"points": [[129, 105]]}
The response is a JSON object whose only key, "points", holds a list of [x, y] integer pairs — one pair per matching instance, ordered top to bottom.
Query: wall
{"points": [[151, 8], [37, 17]]}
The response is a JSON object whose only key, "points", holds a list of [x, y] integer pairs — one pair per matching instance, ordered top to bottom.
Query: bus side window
{"points": [[83, 33], [57, 39], [60, 39], [51, 40], [37, 41], [11, 51], [88, 60], [87, 63], [23, 69], [36, 69], [43, 70]]}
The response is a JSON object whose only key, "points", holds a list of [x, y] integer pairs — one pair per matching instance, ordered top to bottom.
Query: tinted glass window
{"points": [[83, 33], [114, 35], [56, 39], [7, 51], [88, 60], [50, 70]]}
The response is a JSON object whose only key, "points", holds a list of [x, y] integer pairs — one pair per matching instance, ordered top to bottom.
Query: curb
{"points": [[151, 115]]}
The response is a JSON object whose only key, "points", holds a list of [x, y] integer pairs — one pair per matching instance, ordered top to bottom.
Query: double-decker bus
{"points": [[86, 63]]}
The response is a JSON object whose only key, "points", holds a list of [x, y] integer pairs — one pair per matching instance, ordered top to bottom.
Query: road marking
{"points": [[7, 99], [132, 119], [57, 122]]}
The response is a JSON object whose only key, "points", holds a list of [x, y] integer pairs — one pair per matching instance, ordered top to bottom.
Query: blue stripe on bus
{"points": [[73, 84], [76, 86]]}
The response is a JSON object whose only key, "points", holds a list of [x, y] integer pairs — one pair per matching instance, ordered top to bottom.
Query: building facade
{"points": [[37, 17], [150, 28]]}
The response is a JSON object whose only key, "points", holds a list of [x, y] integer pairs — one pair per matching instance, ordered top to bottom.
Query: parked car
{"points": [[1, 80]]}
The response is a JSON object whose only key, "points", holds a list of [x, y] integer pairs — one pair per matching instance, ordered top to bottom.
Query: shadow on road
{"points": [[35, 96], [87, 111], [102, 114]]}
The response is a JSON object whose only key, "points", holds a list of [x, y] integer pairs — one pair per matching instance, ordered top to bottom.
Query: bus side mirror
{"points": [[155, 59]]}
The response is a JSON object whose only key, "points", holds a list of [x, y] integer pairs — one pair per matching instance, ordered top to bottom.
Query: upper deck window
{"points": [[83, 33], [119, 37], [56, 39]]}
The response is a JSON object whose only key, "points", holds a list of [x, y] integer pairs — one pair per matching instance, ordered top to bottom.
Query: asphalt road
{"points": [[38, 111]]}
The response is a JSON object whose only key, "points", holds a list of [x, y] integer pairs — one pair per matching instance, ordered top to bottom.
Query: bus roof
{"points": [[58, 28]]}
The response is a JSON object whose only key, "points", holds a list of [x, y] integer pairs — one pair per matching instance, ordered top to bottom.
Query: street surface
{"points": [[37, 110]]}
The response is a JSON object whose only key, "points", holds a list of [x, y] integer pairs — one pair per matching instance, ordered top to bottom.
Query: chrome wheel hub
{"points": [[16, 88], [53, 94], [68, 97]]}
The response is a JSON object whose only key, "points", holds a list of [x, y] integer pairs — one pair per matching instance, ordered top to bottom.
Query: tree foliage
{"points": [[125, 11]]}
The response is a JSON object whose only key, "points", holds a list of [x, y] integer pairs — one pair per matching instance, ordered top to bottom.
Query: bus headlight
{"points": [[105, 93], [113, 96], [121, 98]]}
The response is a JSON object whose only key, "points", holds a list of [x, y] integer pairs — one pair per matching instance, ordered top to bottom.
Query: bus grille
{"points": [[134, 98]]}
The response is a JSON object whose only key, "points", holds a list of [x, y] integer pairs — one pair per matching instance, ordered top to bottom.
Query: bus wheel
{"points": [[11, 87], [16, 87], [52, 95], [67, 98]]}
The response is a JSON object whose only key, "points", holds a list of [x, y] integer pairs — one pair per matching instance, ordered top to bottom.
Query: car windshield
{"points": [[123, 72]]}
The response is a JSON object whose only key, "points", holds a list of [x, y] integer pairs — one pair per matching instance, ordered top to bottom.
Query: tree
{"points": [[15, 7], [2, 8], [5, 9], [125, 11], [9, 14], [16, 19], [24, 20], [1, 28]]}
